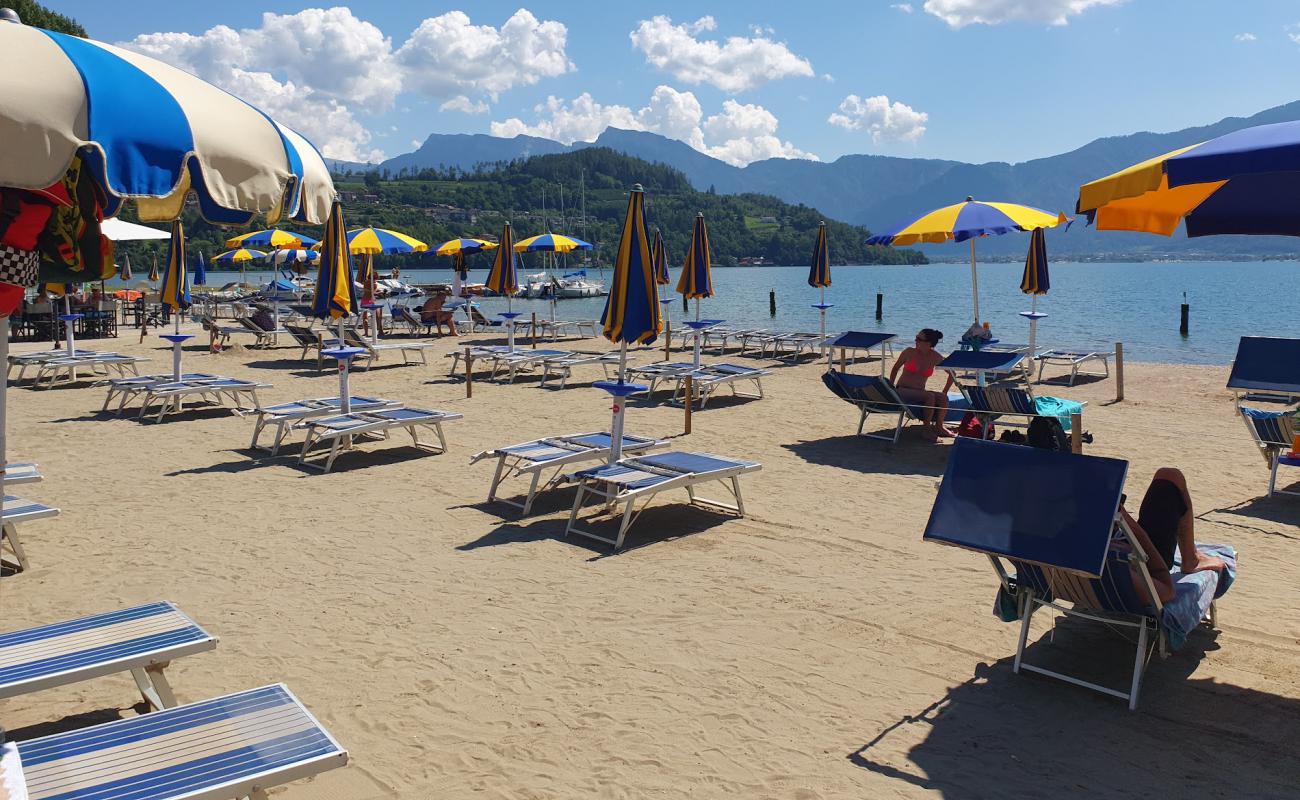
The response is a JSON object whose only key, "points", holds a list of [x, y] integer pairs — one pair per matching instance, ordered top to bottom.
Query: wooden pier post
{"points": [[690, 401]]}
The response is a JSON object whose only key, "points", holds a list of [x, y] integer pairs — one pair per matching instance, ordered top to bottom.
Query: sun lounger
{"points": [[412, 321], [478, 322], [555, 328], [719, 336], [265, 338], [309, 340], [854, 341], [791, 345], [408, 349], [479, 353], [24, 360], [1074, 360], [984, 363], [511, 364], [562, 366], [68, 370], [1267, 370], [661, 371], [709, 378], [125, 389], [874, 394], [170, 397], [992, 402], [284, 416], [344, 428], [1274, 432], [556, 452], [22, 473], [640, 478], [17, 510], [1048, 522], [142, 640], [229, 747]]}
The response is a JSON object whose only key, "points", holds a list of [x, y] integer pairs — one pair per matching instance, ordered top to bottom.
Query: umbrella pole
{"points": [[974, 284], [822, 307], [1033, 324], [67, 325], [697, 331]]}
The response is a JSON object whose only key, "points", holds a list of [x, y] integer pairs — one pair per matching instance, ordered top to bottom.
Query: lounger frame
{"points": [[1074, 360], [284, 420], [373, 425], [1274, 435], [16, 510]]}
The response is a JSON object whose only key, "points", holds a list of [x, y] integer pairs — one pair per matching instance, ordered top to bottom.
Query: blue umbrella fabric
{"points": [[659, 258], [200, 272], [819, 276], [175, 279], [503, 279], [696, 280], [1036, 280], [335, 296], [631, 313]]}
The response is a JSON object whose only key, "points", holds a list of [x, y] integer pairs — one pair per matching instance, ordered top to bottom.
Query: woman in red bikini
{"points": [[917, 364]]}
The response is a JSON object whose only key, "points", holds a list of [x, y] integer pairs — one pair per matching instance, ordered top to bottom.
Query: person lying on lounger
{"points": [[917, 364], [1165, 523]]}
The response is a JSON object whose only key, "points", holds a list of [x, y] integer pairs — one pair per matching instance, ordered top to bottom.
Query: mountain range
{"points": [[881, 191]]}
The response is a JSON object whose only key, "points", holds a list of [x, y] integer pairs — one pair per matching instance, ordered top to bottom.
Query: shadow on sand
{"points": [[911, 456]]}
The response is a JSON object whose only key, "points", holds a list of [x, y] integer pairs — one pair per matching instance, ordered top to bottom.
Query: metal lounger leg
{"points": [[496, 479], [532, 492], [577, 506], [626, 522], [10, 532], [1026, 615], [1139, 661], [153, 686]]}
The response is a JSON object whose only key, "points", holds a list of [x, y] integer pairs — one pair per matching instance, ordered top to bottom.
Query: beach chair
{"points": [[412, 321], [478, 322], [554, 328], [719, 336], [265, 338], [309, 340], [854, 341], [790, 346], [373, 351], [484, 353], [522, 360], [1074, 360], [22, 361], [981, 364], [562, 366], [68, 370], [1266, 370], [659, 372], [709, 378], [125, 389], [873, 394], [170, 397], [992, 402], [284, 416], [340, 431], [1274, 433], [533, 458], [18, 473], [640, 478], [16, 511], [1049, 523], [142, 640], [234, 746]]}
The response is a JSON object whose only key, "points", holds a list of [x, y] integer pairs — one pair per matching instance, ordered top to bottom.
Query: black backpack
{"points": [[1047, 433]]}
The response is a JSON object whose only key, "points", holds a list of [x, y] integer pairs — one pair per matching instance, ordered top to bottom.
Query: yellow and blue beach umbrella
{"points": [[1242, 182], [968, 221], [271, 239], [378, 241], [551, 243], [463, 246], [239, 256], [659, 258], [126, 268], [153, 271], [504, 279], [696, 280], [175, 291], [335, 295], [631, 313]]}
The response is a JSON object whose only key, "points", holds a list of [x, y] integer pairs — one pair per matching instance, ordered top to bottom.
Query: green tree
{"points": [[38, 16]]}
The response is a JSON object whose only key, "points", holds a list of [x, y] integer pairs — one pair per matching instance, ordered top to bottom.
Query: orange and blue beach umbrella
{"points": [[551, 243], [659, 258], [819, 276], [503, 279], [176, 280], [696, 280], [335, 294], [631, 313]]}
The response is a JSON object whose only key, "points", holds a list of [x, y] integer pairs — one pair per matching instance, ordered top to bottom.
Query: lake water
{"points": [[1089, 304]]}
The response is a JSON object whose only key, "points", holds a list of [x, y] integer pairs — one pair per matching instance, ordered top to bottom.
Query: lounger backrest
{"points": [[860, 340], [1266, 364], [873, 392], [999, 399], [1272, 428], [1056, 510], [1112, 591]]}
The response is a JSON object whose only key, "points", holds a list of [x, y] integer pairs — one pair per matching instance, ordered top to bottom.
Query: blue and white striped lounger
{"points": [[484, 353], [1074, 359], [24, 360], [521, 360], [97, 364], [562, 366], [661, 371], [709, 378], [126, 389], [873, 394], [170, 397], [991, 402], [284, 416], [342, 429], [1274, 432], [555, 452], [22, 473], [640, 478], [17, 510], [140, 640], [230, 747]]}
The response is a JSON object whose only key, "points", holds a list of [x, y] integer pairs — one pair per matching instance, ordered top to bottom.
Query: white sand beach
{"points": [[816, 648]]}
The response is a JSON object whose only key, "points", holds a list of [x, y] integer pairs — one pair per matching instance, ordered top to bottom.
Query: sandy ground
{"points": [[815, 649]]}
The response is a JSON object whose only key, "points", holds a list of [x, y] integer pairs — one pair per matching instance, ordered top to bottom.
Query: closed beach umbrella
{"points": [[1242, 182], [968, 221], [270, 239], [378, 241], [551, 243], [452, 247], [659, 258], [126, 268], [153, 271], [200, 272], [819, 275], [504, 279], [696, 280], [1035, 282], [175, 292], [336, 296], [631, 313]]}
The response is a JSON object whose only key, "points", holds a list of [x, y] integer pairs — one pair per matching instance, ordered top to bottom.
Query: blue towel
{"points": [[1059, 408]]}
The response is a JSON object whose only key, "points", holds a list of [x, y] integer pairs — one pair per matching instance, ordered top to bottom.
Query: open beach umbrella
{"points": [[1242, 182], [968, 221], [270, 239], [378, 241], [551, 243], [463, 246], [240, 256], [291, 256], [125, 274], [819, 274], [504, 279], [696, 280], [1035, 282], [175, 292], [336, 296], [631, 313]]}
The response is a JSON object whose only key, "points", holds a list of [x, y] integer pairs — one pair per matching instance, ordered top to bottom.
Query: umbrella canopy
{"points": [[152, 134], [1241, 182], [969, 220], [120, 231], [272, 239], [377, 241], [551, 243], [463, 246], [239, 256], [294, 256], [659, 259], [126, 268], [153, 271], [200, 272], [819, 276], [176, 279], [504, 279], [696, 280], [1035, 280], [58, 289], [335, 295], [632, 311]]}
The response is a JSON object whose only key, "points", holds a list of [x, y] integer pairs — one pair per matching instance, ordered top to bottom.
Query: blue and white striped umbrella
{"points": [[149, 132]]}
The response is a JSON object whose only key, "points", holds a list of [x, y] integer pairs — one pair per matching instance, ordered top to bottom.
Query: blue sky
{"points": [[974, 80]]}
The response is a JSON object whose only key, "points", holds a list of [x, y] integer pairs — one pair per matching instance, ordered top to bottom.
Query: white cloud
{"points": [[906, 8], [960, 13], [1293, 32], [1245, 37], [448, 55], [734, 65], [464, 105], [887, 122], [740, 134]]}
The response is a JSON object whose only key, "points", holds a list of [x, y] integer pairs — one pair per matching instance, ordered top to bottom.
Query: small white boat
{"points": [[575, 284]]}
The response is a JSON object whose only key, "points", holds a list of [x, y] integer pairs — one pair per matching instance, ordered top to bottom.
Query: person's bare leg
{"points": [[940, 401], [1191, 559]]}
